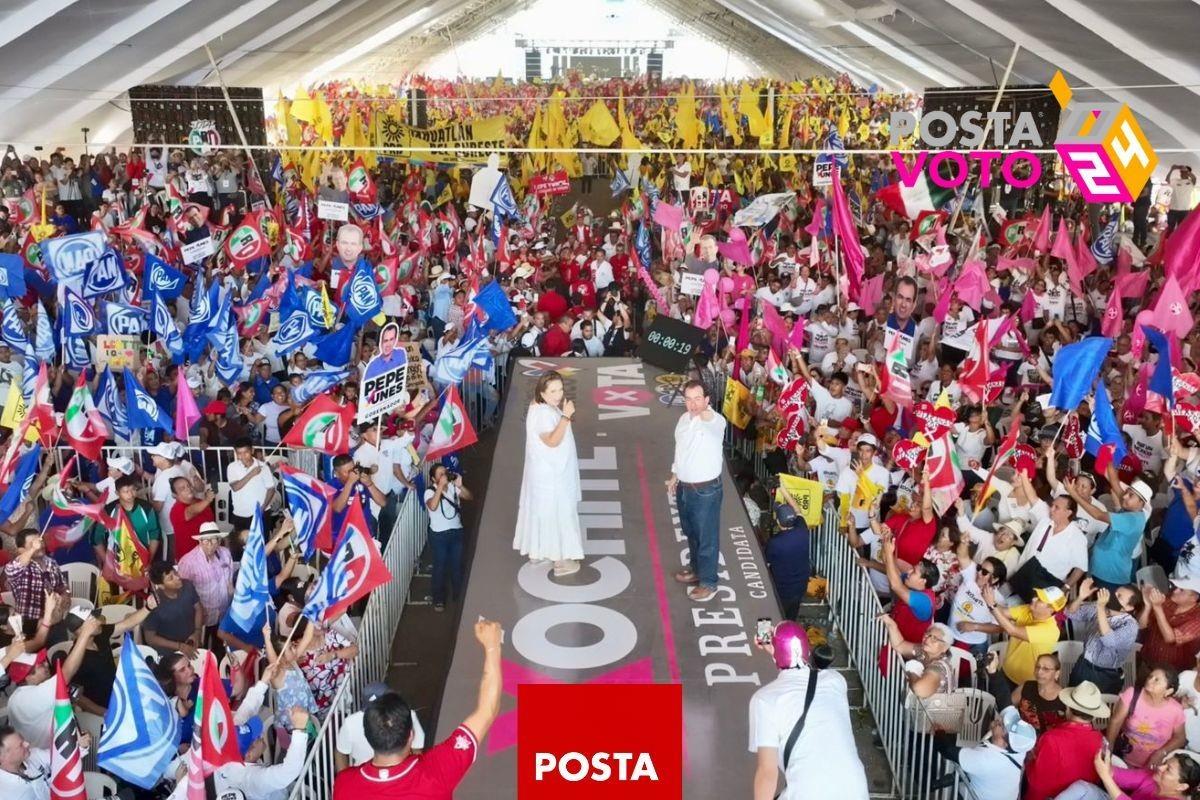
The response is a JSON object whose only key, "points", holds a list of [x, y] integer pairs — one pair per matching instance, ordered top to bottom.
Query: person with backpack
{"points": [[800, 726]]}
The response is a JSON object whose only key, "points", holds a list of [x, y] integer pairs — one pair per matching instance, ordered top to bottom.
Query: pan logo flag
{"points": [[105, 274], [161, 277], [362, 300], [123, 320], [13, 330], [295, 331], [310, 503], [355, 568], [251, 593], [139, 735]]}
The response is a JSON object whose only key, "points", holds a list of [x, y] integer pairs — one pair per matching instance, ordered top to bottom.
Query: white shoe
{"points": [[567, 567]]}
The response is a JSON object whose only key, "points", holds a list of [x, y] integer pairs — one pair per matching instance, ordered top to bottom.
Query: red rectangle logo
{"points": [[585, 742]]}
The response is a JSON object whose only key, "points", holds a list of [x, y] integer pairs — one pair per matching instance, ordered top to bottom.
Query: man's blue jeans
{"points": [[700, 519], [447, 547]]}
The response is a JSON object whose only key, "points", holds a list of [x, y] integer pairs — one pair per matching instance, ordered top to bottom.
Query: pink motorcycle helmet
{"points": [[790, 642]]}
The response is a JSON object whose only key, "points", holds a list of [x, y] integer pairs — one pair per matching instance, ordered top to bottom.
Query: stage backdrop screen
{"points": [[196, 117]]}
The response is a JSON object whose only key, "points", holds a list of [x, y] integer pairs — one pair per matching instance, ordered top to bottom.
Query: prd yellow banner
{"points": [[487, 133]]}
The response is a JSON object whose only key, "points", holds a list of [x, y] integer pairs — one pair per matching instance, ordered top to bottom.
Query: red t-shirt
{"points": [[586, 290], [554, 305], [556, 342], [187, 529], [913, 536], [1064, 754], [429, 776]]}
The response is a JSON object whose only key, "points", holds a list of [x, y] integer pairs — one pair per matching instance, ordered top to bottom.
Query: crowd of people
{"points": [[992, 518]]}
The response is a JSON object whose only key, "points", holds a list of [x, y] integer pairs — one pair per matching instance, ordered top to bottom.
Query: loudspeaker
{"points": [[533, 64], [654, 65], [418, 112]]}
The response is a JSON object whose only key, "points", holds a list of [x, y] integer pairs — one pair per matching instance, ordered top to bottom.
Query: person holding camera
{"points": [[354, 484], [445, 532], [800, 725]]}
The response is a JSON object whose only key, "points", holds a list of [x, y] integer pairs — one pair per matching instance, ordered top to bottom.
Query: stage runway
{"points": [[623, 618]]}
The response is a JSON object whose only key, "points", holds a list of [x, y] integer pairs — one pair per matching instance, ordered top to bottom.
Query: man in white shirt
{"points": [[681, 178], [1183, 189], [602, 271], [773, 293], [831, 404], [1148, 442], [371, 456], [166, 457], [696, 483], [251, 485], [849, 487], [1056, 552], [31, 705], [351, 745], [824, 760], [994, 767], [253, 780]]}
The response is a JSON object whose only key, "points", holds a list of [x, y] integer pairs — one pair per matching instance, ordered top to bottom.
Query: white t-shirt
{"points": [[681, 176], [1182, 191], [820, 340], [829, 407], [271, 411], [970, 444], [1149, 449], [368, 455], [254, 493], [445, 517], [1061, 552], [969, 606], [1191, 714], [352, 741], [824, 761], [990, 772]]}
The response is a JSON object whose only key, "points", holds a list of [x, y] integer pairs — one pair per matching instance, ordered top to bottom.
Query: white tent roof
{"points": [[67, 63]]}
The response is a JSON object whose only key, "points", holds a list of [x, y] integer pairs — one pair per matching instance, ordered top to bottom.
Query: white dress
{"points": [[548, 514]]}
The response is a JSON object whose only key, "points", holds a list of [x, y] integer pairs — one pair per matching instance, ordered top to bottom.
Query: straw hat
{"points": [[1086, 699]]}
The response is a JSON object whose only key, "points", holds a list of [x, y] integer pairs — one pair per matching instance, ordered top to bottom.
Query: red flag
{"points": [[360, 183], [246, 242], [975, 373], [42, 414], [324, 426], [85, 428], [453, 430], [1073, 436], [354, 570], [214, 736], [66, 761]]}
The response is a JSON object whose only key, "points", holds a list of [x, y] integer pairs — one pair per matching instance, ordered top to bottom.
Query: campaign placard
{"points": [[333, 210], [118, 352], [384, 386]]}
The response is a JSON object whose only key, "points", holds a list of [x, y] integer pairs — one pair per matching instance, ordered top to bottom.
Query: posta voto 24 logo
{"points": [[1101, 145]]}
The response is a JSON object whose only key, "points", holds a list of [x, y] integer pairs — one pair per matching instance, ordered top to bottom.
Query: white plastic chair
{"points": [[221, 507], [83, 580], [116, 612], [1000, 648], [149, 652], [1068, 653], [958, 657], [198, 661], [1110, 700], [978, 710], [99, 785]]}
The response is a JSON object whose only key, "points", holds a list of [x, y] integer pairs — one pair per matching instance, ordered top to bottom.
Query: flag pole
{"points": [[237, 124], [987, 127]]}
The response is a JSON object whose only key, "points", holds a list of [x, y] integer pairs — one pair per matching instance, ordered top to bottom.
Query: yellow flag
{"points": [[748, 106], [302, 107], [323, 120], [731, 121], [686, 124], [598, 126], [843, 126], [785, 130], [767, 137], [628, 140], [536, 141], [369, 156], [787, 163], [310, 168], [445, 197], [568, 217], [326, 306], [737, 397], [14, 407], [865, 492], [808, 494]]}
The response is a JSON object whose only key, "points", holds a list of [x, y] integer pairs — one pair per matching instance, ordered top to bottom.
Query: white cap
{"points": [[869, 438], [163, 450], [120, 464], [1021, 735]]}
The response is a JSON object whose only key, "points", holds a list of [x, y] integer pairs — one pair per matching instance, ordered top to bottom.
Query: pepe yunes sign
{"points": [[555, 184], [384, 385]]}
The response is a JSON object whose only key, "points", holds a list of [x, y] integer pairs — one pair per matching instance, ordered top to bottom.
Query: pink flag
{"points": [[667, 215], [814, 227], [844, 229], [1041, 237], [736, 249], [1064, 249], [1181, 252], [1084, 258], [972, 284], [1133, 284], [872, 293], [945, 293], [1028, 306], [1171, 313], [1114, 317], [775, 324], [743, 337], [796, 339], [186, 412]]}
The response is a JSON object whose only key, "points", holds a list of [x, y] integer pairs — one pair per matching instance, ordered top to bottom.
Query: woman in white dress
{"points": [[548, 515]]}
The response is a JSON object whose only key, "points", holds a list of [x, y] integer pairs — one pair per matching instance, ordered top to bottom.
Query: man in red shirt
{"points": [[584, 288], [551, 302], [557, 341], [189, 513], [1066, 752], [394, 772]]}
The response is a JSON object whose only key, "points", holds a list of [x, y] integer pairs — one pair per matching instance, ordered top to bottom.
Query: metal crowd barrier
{"points": [[212, 462], [854, 606], [375, 635]]}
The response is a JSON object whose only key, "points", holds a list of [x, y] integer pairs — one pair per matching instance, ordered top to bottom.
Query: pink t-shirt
{"points": [[1149, 728]]}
